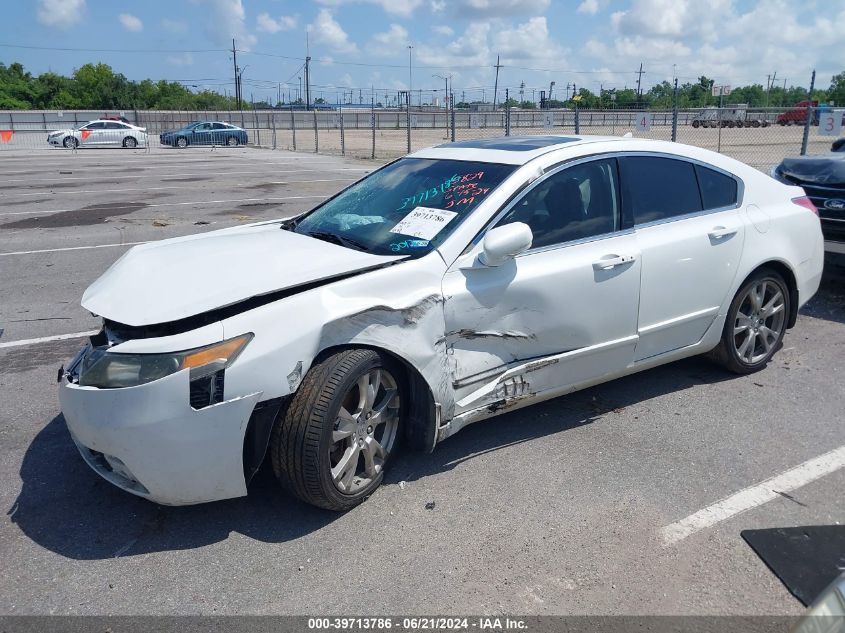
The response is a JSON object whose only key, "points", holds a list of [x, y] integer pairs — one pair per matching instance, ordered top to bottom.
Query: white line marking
{"points": [[170, 204], [71, 248], [47, 339], [754, 496]]}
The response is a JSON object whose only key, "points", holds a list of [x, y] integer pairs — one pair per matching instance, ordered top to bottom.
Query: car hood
{"points": [[825, 169], [172, 279]]}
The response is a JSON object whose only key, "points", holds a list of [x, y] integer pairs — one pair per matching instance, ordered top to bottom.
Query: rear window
{"points": [[658, 188], [717, 190]]}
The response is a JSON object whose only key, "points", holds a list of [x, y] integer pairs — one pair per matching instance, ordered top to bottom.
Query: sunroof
{"points": [[513, 143]]}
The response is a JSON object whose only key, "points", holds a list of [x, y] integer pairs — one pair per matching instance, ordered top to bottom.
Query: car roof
{"points": [[508, 150]]}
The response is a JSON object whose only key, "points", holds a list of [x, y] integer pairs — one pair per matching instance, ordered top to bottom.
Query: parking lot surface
{"points": [[559, 508]]}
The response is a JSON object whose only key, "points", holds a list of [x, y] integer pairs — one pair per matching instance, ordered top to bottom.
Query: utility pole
{"points": [[307, 74], [410, 74], [237, 82], [496, 84], [639, 85], [521, 93], [809, 116]]}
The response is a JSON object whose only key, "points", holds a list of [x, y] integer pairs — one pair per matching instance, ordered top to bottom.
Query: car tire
{"points": [[695, 124], [232, 141], [70, 142], [181, 142], [130, 143], [755, 324], [331, 444]]}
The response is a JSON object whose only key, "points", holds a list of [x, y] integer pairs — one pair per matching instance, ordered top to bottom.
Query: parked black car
{"points": [[205, 133], [823, 179]]}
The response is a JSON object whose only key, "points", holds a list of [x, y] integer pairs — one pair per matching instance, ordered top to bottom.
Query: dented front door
{"points": [[548, 319]]}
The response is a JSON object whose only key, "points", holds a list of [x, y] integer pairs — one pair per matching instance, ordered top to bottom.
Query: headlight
{"points": [[110, 370]]}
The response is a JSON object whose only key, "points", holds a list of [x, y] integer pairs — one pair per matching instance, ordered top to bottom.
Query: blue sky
{"points": [[356, 44]]}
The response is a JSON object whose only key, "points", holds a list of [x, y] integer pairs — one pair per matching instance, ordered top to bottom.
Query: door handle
{"points": [[718, 232], [611, 261]]}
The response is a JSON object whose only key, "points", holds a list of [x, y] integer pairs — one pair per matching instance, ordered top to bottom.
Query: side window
{"points": [[99, 125], [112, 125], [219, 126], [657, 188], [717, 189], [575, 203]]}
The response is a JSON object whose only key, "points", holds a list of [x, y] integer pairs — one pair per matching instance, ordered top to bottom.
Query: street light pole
{"points": [[410, 74]]}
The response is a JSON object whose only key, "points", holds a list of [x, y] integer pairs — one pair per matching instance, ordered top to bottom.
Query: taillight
{"points": [[804, 201]]}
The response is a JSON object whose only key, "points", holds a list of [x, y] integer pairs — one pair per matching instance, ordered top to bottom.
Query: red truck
{"points": [[798, 114]]}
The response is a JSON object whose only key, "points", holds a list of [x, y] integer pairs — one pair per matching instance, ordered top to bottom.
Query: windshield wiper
{"points": [[338, 239]]}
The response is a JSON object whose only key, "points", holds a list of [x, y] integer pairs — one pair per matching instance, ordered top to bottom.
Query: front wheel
{"points": [[232, 141], [70, 142], [130, 143], [755, 324], [332, 444]]}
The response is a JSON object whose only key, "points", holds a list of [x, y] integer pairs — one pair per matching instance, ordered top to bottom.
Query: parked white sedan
{"points": [[100, 133], [449, 286]]}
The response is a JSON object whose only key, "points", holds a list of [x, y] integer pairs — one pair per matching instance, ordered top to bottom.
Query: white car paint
{"points": [[100, 133], [482, 339]]}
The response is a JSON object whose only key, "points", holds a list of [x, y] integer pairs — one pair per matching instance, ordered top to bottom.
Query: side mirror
{"points": [[505, 242]]}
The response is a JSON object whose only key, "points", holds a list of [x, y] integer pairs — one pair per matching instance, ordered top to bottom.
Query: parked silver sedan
{"points": [[100, 133]]}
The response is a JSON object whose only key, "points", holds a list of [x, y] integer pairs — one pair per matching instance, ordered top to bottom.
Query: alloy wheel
{"points": [[759, 322], [365, 430]]}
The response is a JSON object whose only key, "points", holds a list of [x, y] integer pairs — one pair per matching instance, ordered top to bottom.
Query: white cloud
{"points": [[437, 6], [588, 7], [403, 8], [494, 8], [60, 14], [226, 19], [686, 19], [131, 22], [267, 24], [174, 26], [442, 29], [326, 30], [723, 39], [529, 41], [391, 42], [469, 49], [183, 59]]}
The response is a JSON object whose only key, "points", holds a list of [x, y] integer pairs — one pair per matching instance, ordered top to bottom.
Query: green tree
{"points": [[836, 92]]}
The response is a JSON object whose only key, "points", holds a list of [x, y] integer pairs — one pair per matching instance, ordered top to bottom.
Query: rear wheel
{"points": [[70, 142], [755, 324], [334, 441]]}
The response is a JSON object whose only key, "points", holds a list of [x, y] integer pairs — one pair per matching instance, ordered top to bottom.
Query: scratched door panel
{"points": [[539, 305]]}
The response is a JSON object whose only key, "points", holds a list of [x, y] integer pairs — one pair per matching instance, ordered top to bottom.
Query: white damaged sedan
{"points": [[449, 286]]}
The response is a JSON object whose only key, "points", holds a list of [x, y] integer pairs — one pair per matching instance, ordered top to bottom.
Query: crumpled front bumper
{"points": [[149, 441]]}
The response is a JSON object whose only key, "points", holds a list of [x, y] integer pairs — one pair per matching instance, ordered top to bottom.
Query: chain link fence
{"points": [[759, 137]]}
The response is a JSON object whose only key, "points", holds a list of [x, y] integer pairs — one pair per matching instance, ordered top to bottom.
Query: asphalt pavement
{"points": [[559, 508]]}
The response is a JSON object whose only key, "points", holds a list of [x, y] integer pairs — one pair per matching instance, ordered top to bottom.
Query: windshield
{"points": [[407, 208]]}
